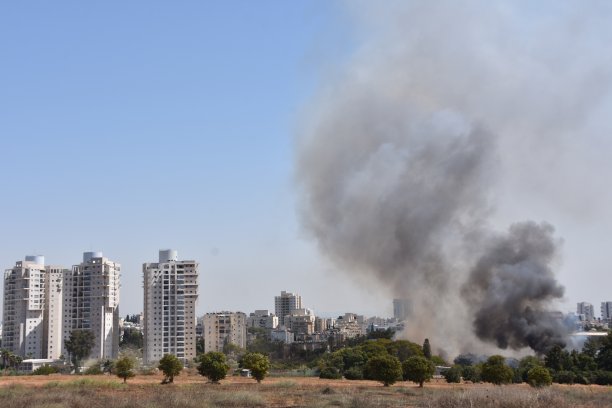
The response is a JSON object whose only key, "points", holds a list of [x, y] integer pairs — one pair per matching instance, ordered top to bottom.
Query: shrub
{"points": [[45, 370], [93, 370], [495, 371], [330, 373], [354, 373], [471, 373], [453, 374], [539, 377], [564, 377], [602, 377]]}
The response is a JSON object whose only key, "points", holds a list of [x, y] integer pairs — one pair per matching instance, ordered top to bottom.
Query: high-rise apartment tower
{"points": [[170, 296], [91, 302], [286, 304]]}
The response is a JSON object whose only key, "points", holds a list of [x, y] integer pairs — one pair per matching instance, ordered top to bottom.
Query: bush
{"points": [[386, 369], [45, 370], [93, 370], [495, 371], [330, 373], [354, 373], [471, 373], [453, 374], [539, 377], [564, 377], [602, 377]]}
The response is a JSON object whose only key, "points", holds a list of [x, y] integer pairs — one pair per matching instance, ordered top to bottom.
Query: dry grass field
{"points": [[192, 391]]}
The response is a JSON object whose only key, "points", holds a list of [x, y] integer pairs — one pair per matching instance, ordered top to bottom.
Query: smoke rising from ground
{"points": [[400, 156]]}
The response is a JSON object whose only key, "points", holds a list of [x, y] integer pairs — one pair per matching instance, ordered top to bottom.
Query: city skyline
{"points": [[127, 128]]}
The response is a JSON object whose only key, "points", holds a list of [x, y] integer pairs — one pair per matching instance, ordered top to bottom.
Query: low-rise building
{"points": [[221, 328]]}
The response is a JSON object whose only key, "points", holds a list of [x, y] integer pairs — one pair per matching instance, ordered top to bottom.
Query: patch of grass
{"points": [[239, 399]]}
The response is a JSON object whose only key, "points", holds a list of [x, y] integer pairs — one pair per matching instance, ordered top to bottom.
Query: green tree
{"points": [[132, 338], [79, 345], [427, 349], [604, 354], [5, 357], [257, 363], [526, 364], [171, 366], [213, 366], [124, 368], [385, 369], [418, 370], [495, 371], [471, 373], [453, 374], [539, 377]]}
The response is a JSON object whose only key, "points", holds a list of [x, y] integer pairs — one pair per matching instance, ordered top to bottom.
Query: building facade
{"points": [[170, 298], [91, 302], [285, 304], [23, 308], [402, 308], [585, 311], [606, 311], [53, 315], [262, 319], [301, 321], [222, 328]]}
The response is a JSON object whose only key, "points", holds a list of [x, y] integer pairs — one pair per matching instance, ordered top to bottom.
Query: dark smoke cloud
{"points": [[400, 156], [511, 287]]}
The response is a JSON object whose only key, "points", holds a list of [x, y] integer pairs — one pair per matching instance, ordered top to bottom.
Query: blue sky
{"points": [[126, 127]]}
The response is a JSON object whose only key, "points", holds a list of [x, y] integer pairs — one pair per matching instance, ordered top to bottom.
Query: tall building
{"points": [[170, 297], [91, 302], [24, 304], [285, 304], [402, 308], [586, 310], [606, 311], [53, 315], [223, 328]]}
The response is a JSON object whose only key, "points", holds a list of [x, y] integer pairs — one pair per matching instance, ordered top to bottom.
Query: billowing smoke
{"points": [[401, 154], [511, 286]]}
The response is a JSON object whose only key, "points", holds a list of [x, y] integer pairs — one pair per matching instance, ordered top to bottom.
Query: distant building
{"points": [[170, 297], [91, 302], [285, 304], [24, 305], [402, 309], [54, 311], [585, 311], [606, 311], [262, 319], [301, 321], [320, 324], [350, 325], [222, 328], [283, 335]]}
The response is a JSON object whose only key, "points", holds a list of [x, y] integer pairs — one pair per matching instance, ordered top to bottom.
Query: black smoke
{"points": [[511, 287]]}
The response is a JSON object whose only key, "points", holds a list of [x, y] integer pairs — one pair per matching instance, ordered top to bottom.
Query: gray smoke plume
{"points": [[401, 155], [511, 287]]}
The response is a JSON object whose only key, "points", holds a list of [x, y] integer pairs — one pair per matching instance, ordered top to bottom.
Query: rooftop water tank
{"points": [[167, 255], [88, 256], [37, 259]]}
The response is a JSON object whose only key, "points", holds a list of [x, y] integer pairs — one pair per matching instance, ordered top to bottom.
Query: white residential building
{"points": [[170, 297], [54, 302], [91, 302], [285, 304], [586, 310], [23, 311], [262, 319], [301, 321], [222, 328]]}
